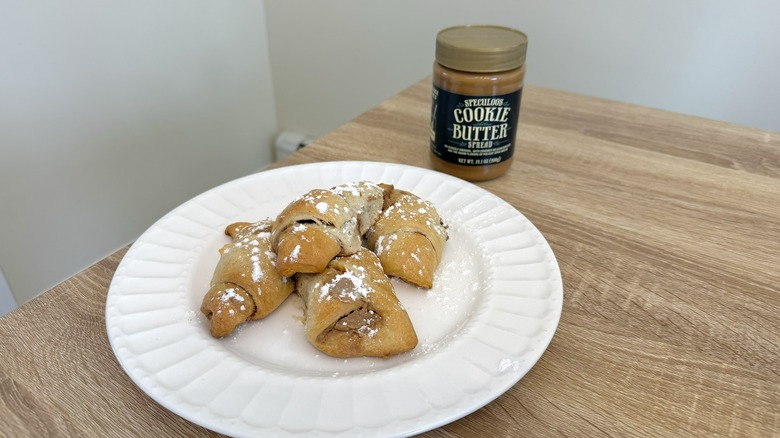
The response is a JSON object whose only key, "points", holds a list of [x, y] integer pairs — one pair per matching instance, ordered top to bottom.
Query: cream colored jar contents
{"points": [[477, 85]]}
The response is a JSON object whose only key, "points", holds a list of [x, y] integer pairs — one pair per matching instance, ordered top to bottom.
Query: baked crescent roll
{"points": [[322, 224], [409, 238], [245, 285], [352, 310]]}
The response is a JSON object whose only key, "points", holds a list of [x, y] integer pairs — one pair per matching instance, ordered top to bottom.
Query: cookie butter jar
{"points": [[477, 84]]}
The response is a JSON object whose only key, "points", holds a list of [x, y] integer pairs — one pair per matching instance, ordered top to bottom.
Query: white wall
{"points": [[718, 59], [113, 113], [7, 301]]}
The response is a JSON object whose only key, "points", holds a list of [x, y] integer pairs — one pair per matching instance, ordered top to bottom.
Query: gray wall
{"points": [[717, 59], [112, 113]]}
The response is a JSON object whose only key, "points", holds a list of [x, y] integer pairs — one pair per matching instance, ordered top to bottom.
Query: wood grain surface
{"points": [[667, 231]]}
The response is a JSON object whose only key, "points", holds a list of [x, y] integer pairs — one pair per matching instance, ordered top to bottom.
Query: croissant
{"points": [[322, 224], [409, 238], [245, 285], [352, 310]]}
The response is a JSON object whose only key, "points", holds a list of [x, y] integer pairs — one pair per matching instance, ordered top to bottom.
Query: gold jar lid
{"points": [[481, 48]]}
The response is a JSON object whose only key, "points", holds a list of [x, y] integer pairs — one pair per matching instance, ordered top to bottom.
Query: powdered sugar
{"points": [[354, 188], [321, 203], [254, 240], [383, 243], [293, 256], [257, 268], [354, 291], [230, 294], [367, 330]]}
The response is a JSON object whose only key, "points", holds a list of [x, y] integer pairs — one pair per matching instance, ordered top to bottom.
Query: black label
{"points": [[474, 130]]}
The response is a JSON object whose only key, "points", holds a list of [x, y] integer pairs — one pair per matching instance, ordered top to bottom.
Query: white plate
{"points": [[493, 310]]}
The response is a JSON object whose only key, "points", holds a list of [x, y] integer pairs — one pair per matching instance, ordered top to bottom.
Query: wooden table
{"points": [[667, 231]]}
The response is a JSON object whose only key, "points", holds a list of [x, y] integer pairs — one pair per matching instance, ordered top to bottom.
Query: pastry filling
{"points": [[361, 319]]}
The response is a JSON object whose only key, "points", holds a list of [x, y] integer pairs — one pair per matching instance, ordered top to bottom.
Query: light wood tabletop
{"points": [[666, 228]]}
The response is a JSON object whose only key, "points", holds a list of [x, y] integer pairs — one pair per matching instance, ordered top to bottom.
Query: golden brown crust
{"points": [[320, 205], [321, 224], [409, 238], [296, 244], [245, 284], [352, 309]]}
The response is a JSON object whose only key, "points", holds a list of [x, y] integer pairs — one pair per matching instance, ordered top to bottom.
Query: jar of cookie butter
{"points": [[477, 84]]}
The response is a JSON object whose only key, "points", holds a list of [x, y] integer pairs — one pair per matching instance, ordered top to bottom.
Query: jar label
{"points": [[474, 130]]}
